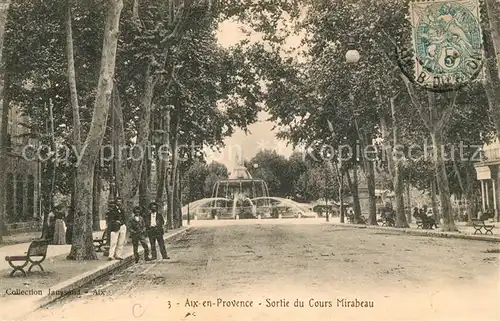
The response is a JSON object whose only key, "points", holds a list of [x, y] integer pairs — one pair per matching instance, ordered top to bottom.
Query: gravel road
{"points": [[256, 271]]}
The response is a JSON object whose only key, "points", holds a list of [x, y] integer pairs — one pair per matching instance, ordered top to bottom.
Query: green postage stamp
{"points": [[447, 40]]}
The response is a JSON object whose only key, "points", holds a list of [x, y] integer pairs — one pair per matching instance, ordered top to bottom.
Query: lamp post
{"points": [[352, 57]]}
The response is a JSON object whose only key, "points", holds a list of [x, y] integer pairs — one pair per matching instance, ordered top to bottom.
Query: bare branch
{"points": [[135, 11], [179, 21], [393, 98], [416, 103], [445, 117], [459, 177]]}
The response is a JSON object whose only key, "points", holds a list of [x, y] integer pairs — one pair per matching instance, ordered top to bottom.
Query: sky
{"points": [[261, 136]]}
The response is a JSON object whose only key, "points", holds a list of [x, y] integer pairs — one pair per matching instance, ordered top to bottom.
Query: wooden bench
{"points": [[351, 219], [385, 222], [427, 225], [479, 225], [100, 242], [37, 249]]}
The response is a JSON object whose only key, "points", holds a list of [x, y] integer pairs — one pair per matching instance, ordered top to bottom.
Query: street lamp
{"points": [[352, 56], [255, 166]]}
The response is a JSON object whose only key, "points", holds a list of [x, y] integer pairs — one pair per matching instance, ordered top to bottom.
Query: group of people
{"points": [[428, 221], [143, 223]]}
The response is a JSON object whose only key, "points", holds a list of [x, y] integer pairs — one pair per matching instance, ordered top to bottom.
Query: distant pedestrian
{"points": [[416, 213], [51, 226], [154, 227], [137, 228], [59, 229], [118, 230]]}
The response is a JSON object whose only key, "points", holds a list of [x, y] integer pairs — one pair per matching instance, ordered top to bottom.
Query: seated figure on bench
{"points": [[416, 215], [486, 215], [350, 216], [389, 217], [427, 222]]}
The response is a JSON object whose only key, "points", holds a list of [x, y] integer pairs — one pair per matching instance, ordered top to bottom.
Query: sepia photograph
{"points": [[250, 160]]}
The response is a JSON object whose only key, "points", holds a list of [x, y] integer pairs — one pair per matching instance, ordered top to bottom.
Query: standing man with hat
{"points": [[154, 227], [137, 229], [118, 230]]}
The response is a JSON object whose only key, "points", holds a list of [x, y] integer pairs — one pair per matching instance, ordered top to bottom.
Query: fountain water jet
{"points": [[231, 194]]}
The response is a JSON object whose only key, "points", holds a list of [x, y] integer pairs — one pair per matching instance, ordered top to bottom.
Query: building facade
{"points": [[488, 172], [23, 176]]}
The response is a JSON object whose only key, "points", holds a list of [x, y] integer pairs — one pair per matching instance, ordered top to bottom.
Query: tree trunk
{"points": [[4, 9], [135, 11], [493, 11], [72, 81], [492, 83], [435, 125], [77, 141], [175, 156], [54, 161], [393, 161], [3, 162], [47, 169], [131, 171], [163, 173], [49, 175], [370, 177], [397, 177], [340, 179], [442, 183], [353, 184], [143, 185], [160, 187], [399, 191], [469, 193], [341, 198], [372, 198], [178, 199], [96, 201], [434, 202], [72, 209], [408, 214], [82, 246]]}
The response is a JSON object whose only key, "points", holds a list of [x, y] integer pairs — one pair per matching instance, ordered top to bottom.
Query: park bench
{"points": [[352, 220], [385, 221], [427, 225], [479, 225], [100, 242], [37, 249]]}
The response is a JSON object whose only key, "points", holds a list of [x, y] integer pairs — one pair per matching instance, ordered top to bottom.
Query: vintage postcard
{"points": [[249, 160]]}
